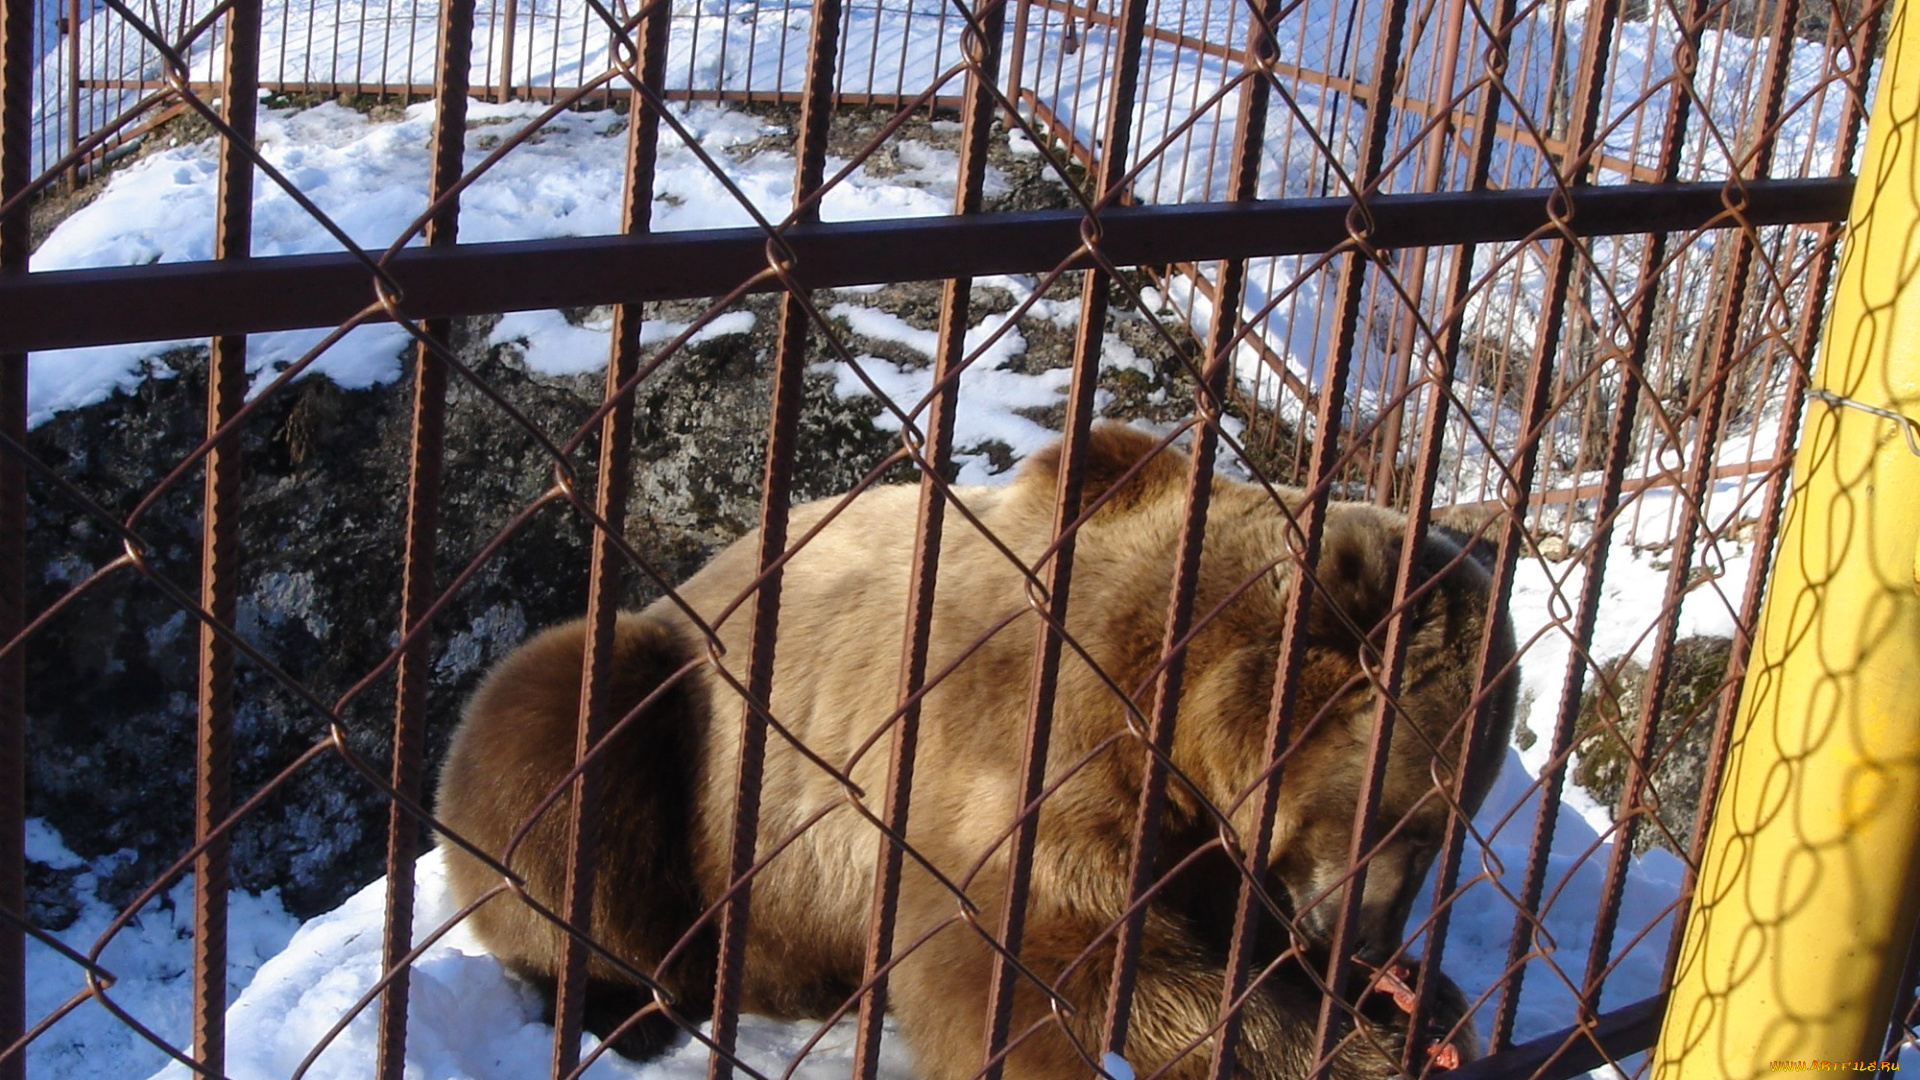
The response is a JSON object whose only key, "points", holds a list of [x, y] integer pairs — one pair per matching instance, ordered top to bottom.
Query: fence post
{"points": [[503, 33], [16, 171], [1810, 881]]}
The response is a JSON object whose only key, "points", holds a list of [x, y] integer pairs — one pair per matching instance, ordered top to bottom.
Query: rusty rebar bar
{"points": [[16, 152], [220, 554], [419, 561], [605, 572]]}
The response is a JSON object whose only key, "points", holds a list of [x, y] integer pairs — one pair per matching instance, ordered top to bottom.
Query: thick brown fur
{"points": [[670, 776]]}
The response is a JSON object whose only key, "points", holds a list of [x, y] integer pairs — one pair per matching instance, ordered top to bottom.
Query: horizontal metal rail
{"points": [[425, 90], [1460, 119], [60, 309], [1738, 470], [1576, 1050]]}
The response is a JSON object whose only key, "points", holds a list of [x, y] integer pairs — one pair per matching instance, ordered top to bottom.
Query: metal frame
{"points": [[1421, 223]]}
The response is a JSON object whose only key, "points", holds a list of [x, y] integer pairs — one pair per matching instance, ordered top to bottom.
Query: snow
{"points": [[370, 178], [552, 345], [992, 392], [149, 961], [468, 1018]]}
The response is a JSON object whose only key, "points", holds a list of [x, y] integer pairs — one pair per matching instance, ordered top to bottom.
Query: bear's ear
{"points": [[1112, 450], [1473, 529], [1359, 558]]}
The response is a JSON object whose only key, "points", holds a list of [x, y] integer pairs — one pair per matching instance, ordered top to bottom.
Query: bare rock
{"points": [[1681, 742]]}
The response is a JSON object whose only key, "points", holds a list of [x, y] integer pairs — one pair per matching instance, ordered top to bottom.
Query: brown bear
{"points": [[670, 775]]}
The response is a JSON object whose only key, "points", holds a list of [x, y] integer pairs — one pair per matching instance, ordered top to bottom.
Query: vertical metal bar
{"points": [[942, 20], [529, 40], [532, 41], [846, 43], [307, 49], [873, 50], [386, 51], [692, 51], [1017, 51], [1595, 51], [333, 55], [359, 55], [553, 56], [780, 58], [584, 60], [720, 66], [408, 78], [73, 80], [503, 89], [1097, 120], [1250, 128], [1060, 131], [1110, 168], [16, 169], [1415, 274], [1348, 300], [1807, 338], [790, 365], [1433, 438], [1432, 442], [937, 452], [1699, 477], [777, 482], [1067, 493], [1311, 517], [1311, 525], [1764, 535], [606, 571], [219, 573], [1059, 575], [418, 591], [13, 715], [1160, 731], [900, 763], [1247, 909]]}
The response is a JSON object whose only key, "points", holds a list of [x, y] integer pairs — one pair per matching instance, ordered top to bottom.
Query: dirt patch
{"points": [[1679, 747]]}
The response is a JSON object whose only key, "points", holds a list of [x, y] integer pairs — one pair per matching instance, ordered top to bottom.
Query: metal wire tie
{"points": [[1908, 425]]}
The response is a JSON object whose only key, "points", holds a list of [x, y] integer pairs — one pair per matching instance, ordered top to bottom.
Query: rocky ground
{"points": [[111, 679]]}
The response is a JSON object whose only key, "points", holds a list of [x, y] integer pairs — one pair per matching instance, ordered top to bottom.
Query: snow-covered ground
{"points": [[371, 179], [150, 962], [469, 1019]]}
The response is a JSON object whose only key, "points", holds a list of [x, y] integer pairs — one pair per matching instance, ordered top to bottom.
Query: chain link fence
{"points": [[1200, 629]]}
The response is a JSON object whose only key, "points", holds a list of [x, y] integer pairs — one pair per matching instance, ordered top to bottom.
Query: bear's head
{"points": [[1137, 487], [1435, 722]]}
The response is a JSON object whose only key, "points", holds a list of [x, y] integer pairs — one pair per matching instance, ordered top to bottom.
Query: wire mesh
{"points": [[1565, 403]]}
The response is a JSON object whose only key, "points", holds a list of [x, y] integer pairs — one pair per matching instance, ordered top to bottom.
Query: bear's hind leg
{"points": [[610, 1005]]}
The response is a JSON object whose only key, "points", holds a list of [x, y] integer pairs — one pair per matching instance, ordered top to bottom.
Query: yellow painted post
{"points": [[1809, 887]]}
